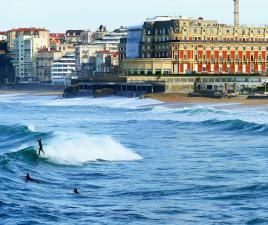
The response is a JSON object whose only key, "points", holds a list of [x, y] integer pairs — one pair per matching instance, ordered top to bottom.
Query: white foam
{"points": [[10, 97], [112, 102], [200, 113], [31, 127], [80, 148]]}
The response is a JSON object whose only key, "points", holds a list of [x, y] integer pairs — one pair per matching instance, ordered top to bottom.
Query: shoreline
{"points": [[31, 92], [165, 98], [175, 98]]}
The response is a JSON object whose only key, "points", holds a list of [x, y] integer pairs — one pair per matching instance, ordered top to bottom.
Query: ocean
{"points": [[134, 161]]}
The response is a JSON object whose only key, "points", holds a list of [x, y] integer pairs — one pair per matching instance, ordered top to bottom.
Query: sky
{"points": [[60, 15]]}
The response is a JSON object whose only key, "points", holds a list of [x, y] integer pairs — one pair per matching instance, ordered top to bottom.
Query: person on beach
{"points": [[40, 146]]}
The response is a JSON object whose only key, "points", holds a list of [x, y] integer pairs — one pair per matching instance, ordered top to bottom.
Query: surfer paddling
{"points": [[40, 146], [28, 178], [76, 191]]}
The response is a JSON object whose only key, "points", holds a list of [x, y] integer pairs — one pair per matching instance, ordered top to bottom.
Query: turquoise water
{"points": [[134, 161]]}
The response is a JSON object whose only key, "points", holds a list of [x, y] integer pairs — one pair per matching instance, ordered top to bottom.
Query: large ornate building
{"points": [[169, 45]]}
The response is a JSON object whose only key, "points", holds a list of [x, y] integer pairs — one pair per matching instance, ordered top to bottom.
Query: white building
{"points": [[111, 41], [83, 53], [24, 55], [63, 70]]}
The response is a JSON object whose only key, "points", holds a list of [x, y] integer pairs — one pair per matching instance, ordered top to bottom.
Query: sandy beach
{"points": [[173, 98]]}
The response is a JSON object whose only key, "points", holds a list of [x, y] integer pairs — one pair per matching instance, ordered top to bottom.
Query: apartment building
{"points": [[34, 32], [74, 36], [111, 41], [83, 54], [24, 56], [45, 58], [107, 63], [63, 70]]}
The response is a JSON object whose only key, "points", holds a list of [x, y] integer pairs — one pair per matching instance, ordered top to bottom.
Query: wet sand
{"points": [[173, 98]]}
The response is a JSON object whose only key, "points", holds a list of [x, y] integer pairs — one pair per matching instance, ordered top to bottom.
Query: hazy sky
{"points": [[60, 15]]}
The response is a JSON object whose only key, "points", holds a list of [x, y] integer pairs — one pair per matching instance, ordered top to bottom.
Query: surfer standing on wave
{"points": [[40, 146]]}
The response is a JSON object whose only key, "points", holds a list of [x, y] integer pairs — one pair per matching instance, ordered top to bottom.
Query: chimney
{"points": [[236, 12]]}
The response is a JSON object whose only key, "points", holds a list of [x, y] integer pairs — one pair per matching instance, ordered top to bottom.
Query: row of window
{"points": [[213, 30], [205, 47], [212, 47], [212, 57]]}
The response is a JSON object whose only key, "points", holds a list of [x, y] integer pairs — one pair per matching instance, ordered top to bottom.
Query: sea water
{"points": [[134, 161]]}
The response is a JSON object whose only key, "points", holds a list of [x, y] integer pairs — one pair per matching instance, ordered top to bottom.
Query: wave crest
{"points": [[80, 148]]}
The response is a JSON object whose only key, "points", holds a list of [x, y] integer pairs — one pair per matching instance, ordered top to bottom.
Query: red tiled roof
{"points": [[26, 29], [3, 33], [57, 35], [104, 51], [115, 54]]}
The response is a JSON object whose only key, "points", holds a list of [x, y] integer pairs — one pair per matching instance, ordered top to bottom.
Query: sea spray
{"points": [[108, 102], [80, 148]]}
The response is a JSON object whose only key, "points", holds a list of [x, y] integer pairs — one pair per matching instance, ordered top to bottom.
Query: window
{"points": [[252, 68], [149, 72]]}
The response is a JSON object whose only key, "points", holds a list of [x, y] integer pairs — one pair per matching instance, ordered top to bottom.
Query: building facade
{"points": [[34, 32], [3, 36], [74, 36], [56, 39], [198, 46], [84, 53], [24, 56], [45, 58], [107, 63], [63, 70]]}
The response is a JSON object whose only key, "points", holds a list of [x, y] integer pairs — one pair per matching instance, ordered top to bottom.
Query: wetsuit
{"points": [[40, 147]]}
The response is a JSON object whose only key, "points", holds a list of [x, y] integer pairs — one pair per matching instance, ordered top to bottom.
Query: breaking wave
{"points": [[62, 148], [81, 148]]}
